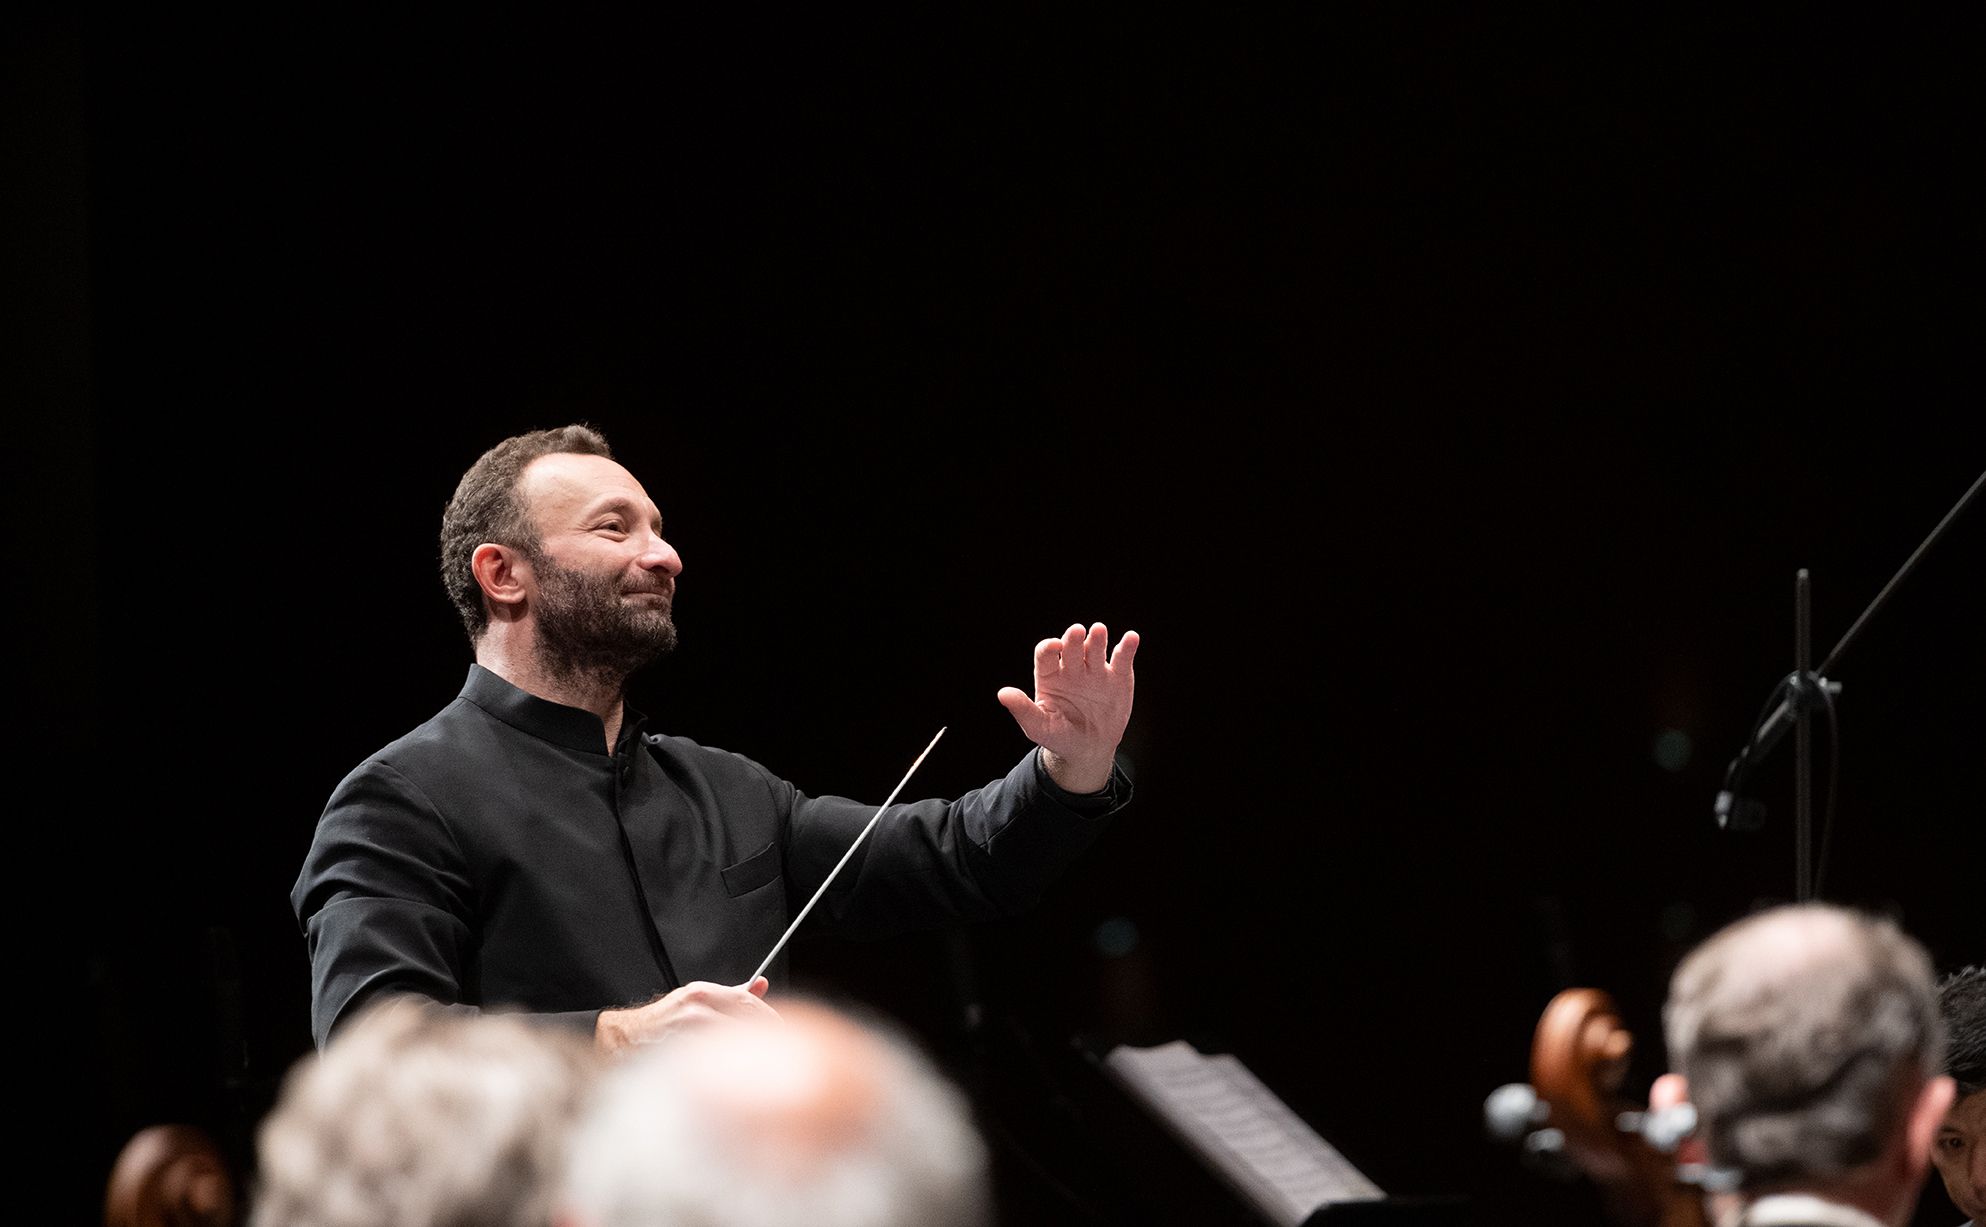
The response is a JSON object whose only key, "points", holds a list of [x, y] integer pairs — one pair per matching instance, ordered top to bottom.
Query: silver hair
{"points": [[1805, 1033], [419, 1117]]}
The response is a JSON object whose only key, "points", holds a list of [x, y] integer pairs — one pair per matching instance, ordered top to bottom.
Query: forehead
{"points": [[566, 484], [1969, 1114]]}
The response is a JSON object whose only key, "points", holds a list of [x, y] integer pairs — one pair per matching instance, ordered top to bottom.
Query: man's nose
{"points": [[659, 555]]}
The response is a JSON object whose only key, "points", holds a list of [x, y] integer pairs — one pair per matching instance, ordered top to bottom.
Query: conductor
{"points": [[537, 847]]}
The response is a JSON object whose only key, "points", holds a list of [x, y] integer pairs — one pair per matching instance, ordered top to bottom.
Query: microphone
{"points": [[1741, 813]]}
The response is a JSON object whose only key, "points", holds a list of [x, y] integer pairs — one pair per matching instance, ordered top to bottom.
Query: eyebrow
{"points": [[623, 504]]}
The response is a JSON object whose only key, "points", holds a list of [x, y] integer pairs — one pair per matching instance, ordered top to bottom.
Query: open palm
{"points": [[1081, 703]]}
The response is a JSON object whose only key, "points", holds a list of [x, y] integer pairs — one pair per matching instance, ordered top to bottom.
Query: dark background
{"points": [[1447, 398]]}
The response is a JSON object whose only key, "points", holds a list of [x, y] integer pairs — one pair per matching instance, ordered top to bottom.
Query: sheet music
{"points": [[1220, 1109]]}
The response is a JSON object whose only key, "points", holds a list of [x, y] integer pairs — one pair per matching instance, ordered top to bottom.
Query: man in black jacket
{"points": [[534, 847]]}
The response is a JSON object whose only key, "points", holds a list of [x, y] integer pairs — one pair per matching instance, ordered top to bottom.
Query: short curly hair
{"points": [[485, 508], [424, 1116]]}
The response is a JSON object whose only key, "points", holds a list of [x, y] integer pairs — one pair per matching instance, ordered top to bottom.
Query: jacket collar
{"points": [[570, 727]]}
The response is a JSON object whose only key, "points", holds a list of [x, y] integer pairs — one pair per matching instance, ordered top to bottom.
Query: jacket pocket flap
{"points": [[752, 872]]}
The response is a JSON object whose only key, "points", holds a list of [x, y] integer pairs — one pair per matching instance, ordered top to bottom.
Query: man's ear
{"points": [[501, 571], [1926, 1115]]}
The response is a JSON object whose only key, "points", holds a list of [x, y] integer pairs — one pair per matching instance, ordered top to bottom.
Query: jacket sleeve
{"points": [[988, 854], [386, 904]]}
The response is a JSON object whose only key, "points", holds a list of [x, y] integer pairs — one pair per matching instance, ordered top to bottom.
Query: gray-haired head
{"points": [[1806, 1034], [421, 1117], [815, 1119]]}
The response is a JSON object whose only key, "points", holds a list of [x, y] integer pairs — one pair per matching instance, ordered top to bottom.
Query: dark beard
{"points": [[587, 631]]}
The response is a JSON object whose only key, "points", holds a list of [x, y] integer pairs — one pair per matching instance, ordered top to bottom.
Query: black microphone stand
{"points": [[1795, 696]]}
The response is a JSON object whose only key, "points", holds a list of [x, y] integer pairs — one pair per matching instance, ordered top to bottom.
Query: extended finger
{"points": [[1072, 646], [1096, 646], [1127, 651], [1047, 658]]}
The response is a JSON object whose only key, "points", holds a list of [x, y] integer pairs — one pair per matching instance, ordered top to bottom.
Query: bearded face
{"points": [[601, 625]]}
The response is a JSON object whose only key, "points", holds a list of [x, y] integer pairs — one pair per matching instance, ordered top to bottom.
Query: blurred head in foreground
{"points": [[1808, 1039], [419, 1117], [812, 1118]]}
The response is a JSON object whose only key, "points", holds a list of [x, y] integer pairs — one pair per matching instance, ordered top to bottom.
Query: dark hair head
{"points": [[486, 508], [1962, 1000]]}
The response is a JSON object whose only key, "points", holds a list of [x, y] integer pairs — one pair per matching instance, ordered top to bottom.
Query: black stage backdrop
{"points": [[1449, 399]]}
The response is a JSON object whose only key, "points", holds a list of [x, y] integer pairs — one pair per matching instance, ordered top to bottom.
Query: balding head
{"points": [[1807, 1035], [813, 1117]]}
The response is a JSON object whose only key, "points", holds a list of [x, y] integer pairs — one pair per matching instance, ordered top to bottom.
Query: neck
{"points": [[524, 667], [1874, 1199]]}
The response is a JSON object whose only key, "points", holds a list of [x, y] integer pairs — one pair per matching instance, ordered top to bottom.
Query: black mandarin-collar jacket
{"points": [[498, 857]]}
